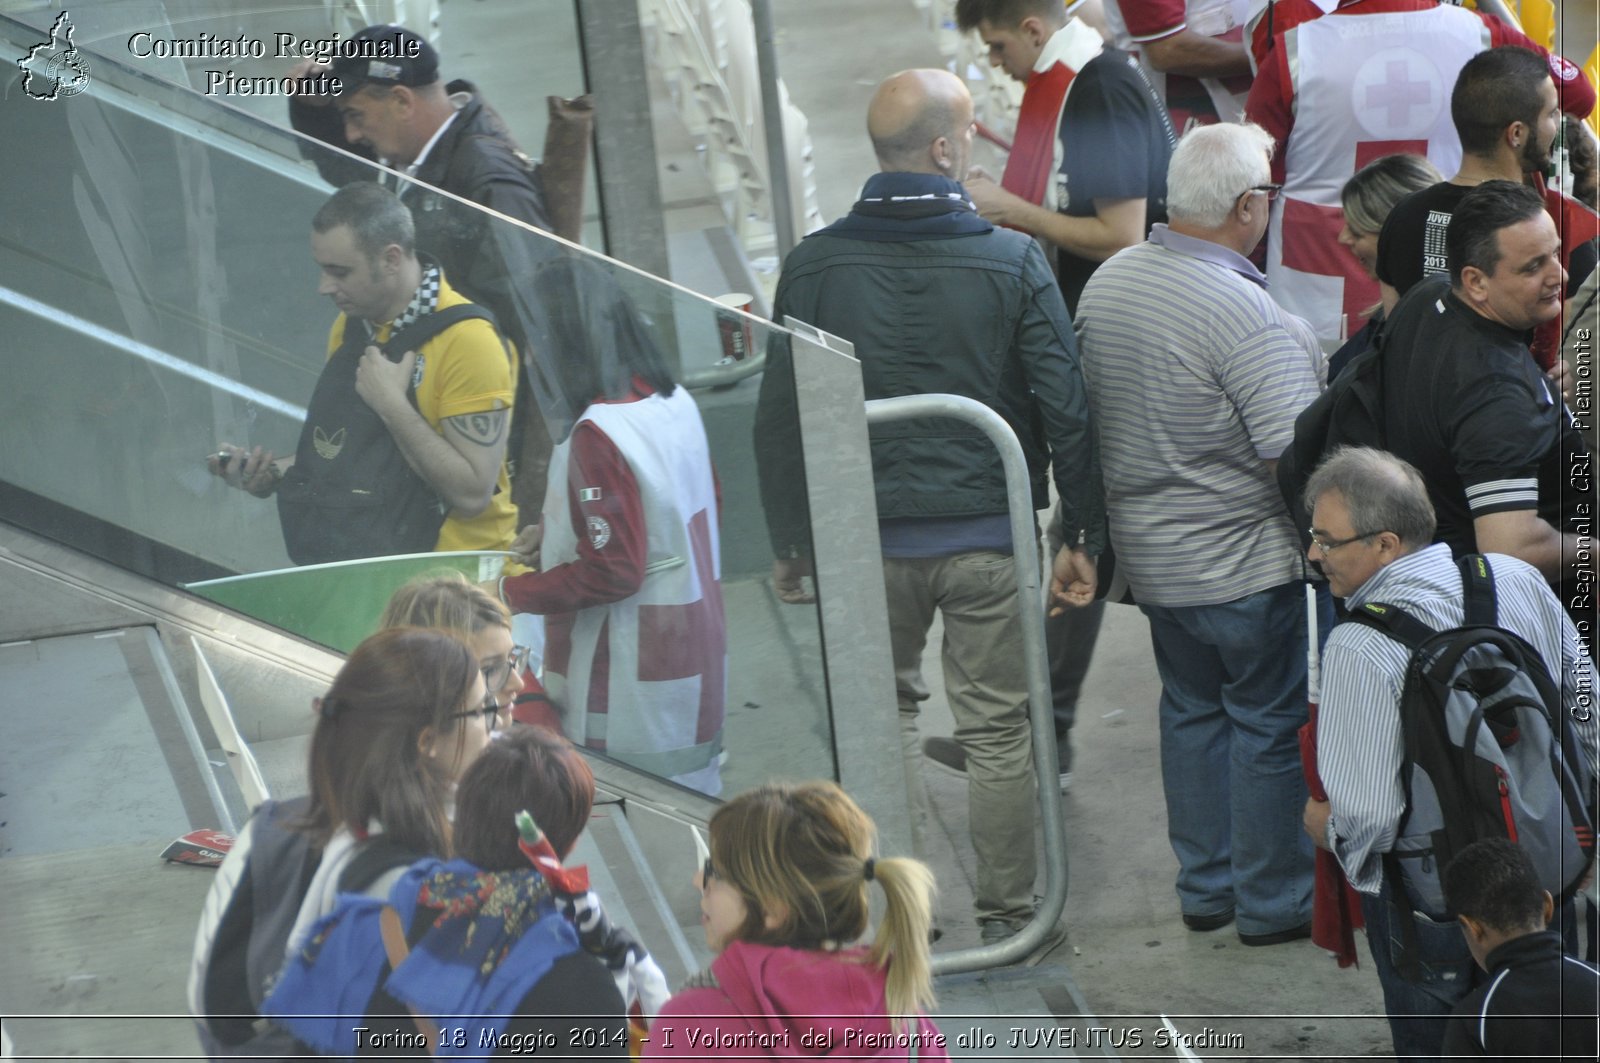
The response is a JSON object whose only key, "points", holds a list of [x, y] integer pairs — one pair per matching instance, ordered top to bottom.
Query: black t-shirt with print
{"points": [[1115, 144], [1411, 245], [1467, 405]]}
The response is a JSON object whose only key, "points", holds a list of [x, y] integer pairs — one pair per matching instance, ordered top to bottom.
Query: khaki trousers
{"points": [[986, 686]]}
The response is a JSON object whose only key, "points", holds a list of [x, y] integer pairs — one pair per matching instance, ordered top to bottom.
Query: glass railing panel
{"points": [[514, 53], [158, 298]]}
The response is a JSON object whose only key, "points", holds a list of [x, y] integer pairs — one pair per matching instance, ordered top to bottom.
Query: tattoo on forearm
{"points": [[485, 429]]}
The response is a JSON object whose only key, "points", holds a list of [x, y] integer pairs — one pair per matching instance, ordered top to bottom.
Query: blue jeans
{"points": [[1233, 696], [1418, 1012]]}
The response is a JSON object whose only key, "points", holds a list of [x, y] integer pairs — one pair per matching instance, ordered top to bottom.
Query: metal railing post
{"points": [[783, 222], [1030, 609]]}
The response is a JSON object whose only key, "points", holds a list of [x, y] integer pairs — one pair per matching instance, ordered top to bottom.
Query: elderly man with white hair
{"points": [[1195, 378]]}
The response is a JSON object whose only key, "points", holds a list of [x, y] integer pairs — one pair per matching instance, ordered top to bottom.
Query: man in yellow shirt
{"points": [[403, 448]]}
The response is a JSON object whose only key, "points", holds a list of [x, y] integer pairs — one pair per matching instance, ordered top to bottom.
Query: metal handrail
{"points": [[1030, 609]]}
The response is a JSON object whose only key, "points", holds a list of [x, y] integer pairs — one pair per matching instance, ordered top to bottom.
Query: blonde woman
{"points": [[1367, 198], [448, 601], [784, 900]]}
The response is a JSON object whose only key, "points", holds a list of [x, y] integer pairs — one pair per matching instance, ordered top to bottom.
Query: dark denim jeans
{"points": [[1069, 639], [1418, 1011]]}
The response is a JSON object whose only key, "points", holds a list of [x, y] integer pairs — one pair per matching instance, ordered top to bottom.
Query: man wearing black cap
{"points": [[391, 107], [395, 110]]}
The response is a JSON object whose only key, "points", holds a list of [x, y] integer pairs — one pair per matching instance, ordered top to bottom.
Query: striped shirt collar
{"points": [[1206, 251], [1429, 567]]}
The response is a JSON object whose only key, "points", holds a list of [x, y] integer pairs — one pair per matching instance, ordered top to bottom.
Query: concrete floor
{"points": [[1126, 948], [1127, 959]]}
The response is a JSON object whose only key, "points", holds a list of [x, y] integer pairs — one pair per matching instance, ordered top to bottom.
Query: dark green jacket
{"points": [[977, 314]]}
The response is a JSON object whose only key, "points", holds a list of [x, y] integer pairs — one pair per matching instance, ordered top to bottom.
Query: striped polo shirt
{"points": [[1195, 378]]}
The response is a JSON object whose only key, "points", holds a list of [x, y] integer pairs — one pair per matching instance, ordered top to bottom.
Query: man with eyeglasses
{"points": [[1195, 379], [1465, 402], [1372, 531]]}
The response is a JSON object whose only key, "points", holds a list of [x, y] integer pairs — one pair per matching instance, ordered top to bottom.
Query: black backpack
{"points": [[1349, 412], [350, 492], [1489, 752]]}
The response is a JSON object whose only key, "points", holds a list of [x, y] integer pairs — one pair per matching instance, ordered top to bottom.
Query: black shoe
{"points": [[947, 755], [1208, 922], [1277, 937]]}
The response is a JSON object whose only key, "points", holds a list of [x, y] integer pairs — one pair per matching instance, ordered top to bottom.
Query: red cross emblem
{"points": [[1397, 93], [1311, 236], [683, 641]]}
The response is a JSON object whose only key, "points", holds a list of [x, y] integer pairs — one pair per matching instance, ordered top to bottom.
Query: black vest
{"points": [[350, 492]]}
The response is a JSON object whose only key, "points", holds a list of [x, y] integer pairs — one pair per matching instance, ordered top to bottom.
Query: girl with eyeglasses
{"points": [[450, 602], [403, 720], [783, 900]]}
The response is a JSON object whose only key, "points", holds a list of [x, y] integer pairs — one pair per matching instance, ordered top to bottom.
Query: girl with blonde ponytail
{"points": [[784, 899]]}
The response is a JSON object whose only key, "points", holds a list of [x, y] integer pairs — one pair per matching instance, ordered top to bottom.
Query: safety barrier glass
{"points": [[160, 305]]}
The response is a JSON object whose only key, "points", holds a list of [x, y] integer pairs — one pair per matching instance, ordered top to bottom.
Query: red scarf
{"points": [[1033, 150]]}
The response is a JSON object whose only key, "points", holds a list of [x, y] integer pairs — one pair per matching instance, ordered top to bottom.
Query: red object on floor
{"points": [[202, 848]]}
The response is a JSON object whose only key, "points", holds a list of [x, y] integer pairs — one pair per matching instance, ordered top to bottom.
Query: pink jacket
{"points": [[782, 1003]]}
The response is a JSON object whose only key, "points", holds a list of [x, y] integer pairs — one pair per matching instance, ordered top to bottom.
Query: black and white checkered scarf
{"points": [[426, 301]]}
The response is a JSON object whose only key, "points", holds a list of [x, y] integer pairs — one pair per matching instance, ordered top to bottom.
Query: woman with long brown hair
{"points": [[404, 718], [399, 727]]}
